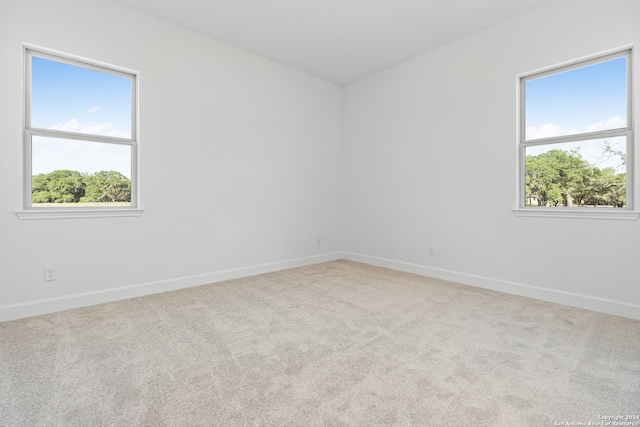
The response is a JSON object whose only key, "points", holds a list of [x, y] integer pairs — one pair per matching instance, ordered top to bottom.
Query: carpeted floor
{"points": [[339, 343]]}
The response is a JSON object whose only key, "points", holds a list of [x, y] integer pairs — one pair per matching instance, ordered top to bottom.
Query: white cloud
{"points": [[94, 109], [614, 122], [72, 125], [92, 128], [97, 128], [551, 129], [548, 130], [49, 154]]}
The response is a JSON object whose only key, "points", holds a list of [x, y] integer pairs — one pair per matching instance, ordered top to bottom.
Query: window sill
{"points": [[62, 213], [581, 213]]}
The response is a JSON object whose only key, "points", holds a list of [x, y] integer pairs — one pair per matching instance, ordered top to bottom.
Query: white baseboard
{"points": [[67, 302], [617, 308]]}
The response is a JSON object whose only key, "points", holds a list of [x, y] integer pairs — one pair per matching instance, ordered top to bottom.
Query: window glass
{"points": [[77, 99], [579, 100], [80, 135], [575, 135], [74, 172], [580, 173]]}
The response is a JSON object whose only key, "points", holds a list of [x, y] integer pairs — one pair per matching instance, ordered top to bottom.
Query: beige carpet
{"points": [[338, 343]]}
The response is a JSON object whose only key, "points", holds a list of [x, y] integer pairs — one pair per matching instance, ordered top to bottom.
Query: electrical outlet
{"points": [[431, 251], [50, 274]]}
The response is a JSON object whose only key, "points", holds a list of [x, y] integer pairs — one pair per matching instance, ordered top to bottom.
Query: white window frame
{"points": [[37, 212], [628, 212]]}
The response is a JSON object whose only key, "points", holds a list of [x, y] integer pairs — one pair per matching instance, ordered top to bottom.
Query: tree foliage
{"points": [[563, 178], [65, 186], [107, 186]]}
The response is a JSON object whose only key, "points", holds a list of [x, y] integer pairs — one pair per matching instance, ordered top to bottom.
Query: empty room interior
{"points": [[337, 213]]}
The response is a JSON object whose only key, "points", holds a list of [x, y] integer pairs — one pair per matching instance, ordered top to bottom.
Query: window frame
{"points": [[49, 212], [627, 212]]}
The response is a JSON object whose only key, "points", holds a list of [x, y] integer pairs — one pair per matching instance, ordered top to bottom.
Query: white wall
{"points": [[423, 154], [430, 160], [240, 163]]}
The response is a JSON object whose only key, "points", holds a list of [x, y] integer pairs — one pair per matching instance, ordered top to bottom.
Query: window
{"points": [[575, 134], [80, 138]]}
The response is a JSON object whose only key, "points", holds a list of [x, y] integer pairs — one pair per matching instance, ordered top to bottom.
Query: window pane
{"points": [[76, 99], [585, 99], [80, 172], [583, 173]]}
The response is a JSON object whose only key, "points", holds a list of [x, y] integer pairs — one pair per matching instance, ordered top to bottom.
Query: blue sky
{"points": [[76, 99], [577, 100], [581, 100]]}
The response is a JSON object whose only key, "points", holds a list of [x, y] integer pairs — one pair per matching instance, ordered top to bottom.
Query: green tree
{"points": [[609, 151], [553, 176], [560, 177], [60, 186], [107, 186], [39, 189], [610, 189]]}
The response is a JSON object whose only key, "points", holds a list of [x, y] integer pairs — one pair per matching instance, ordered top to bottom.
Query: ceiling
{"points": [[340, 41]]}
